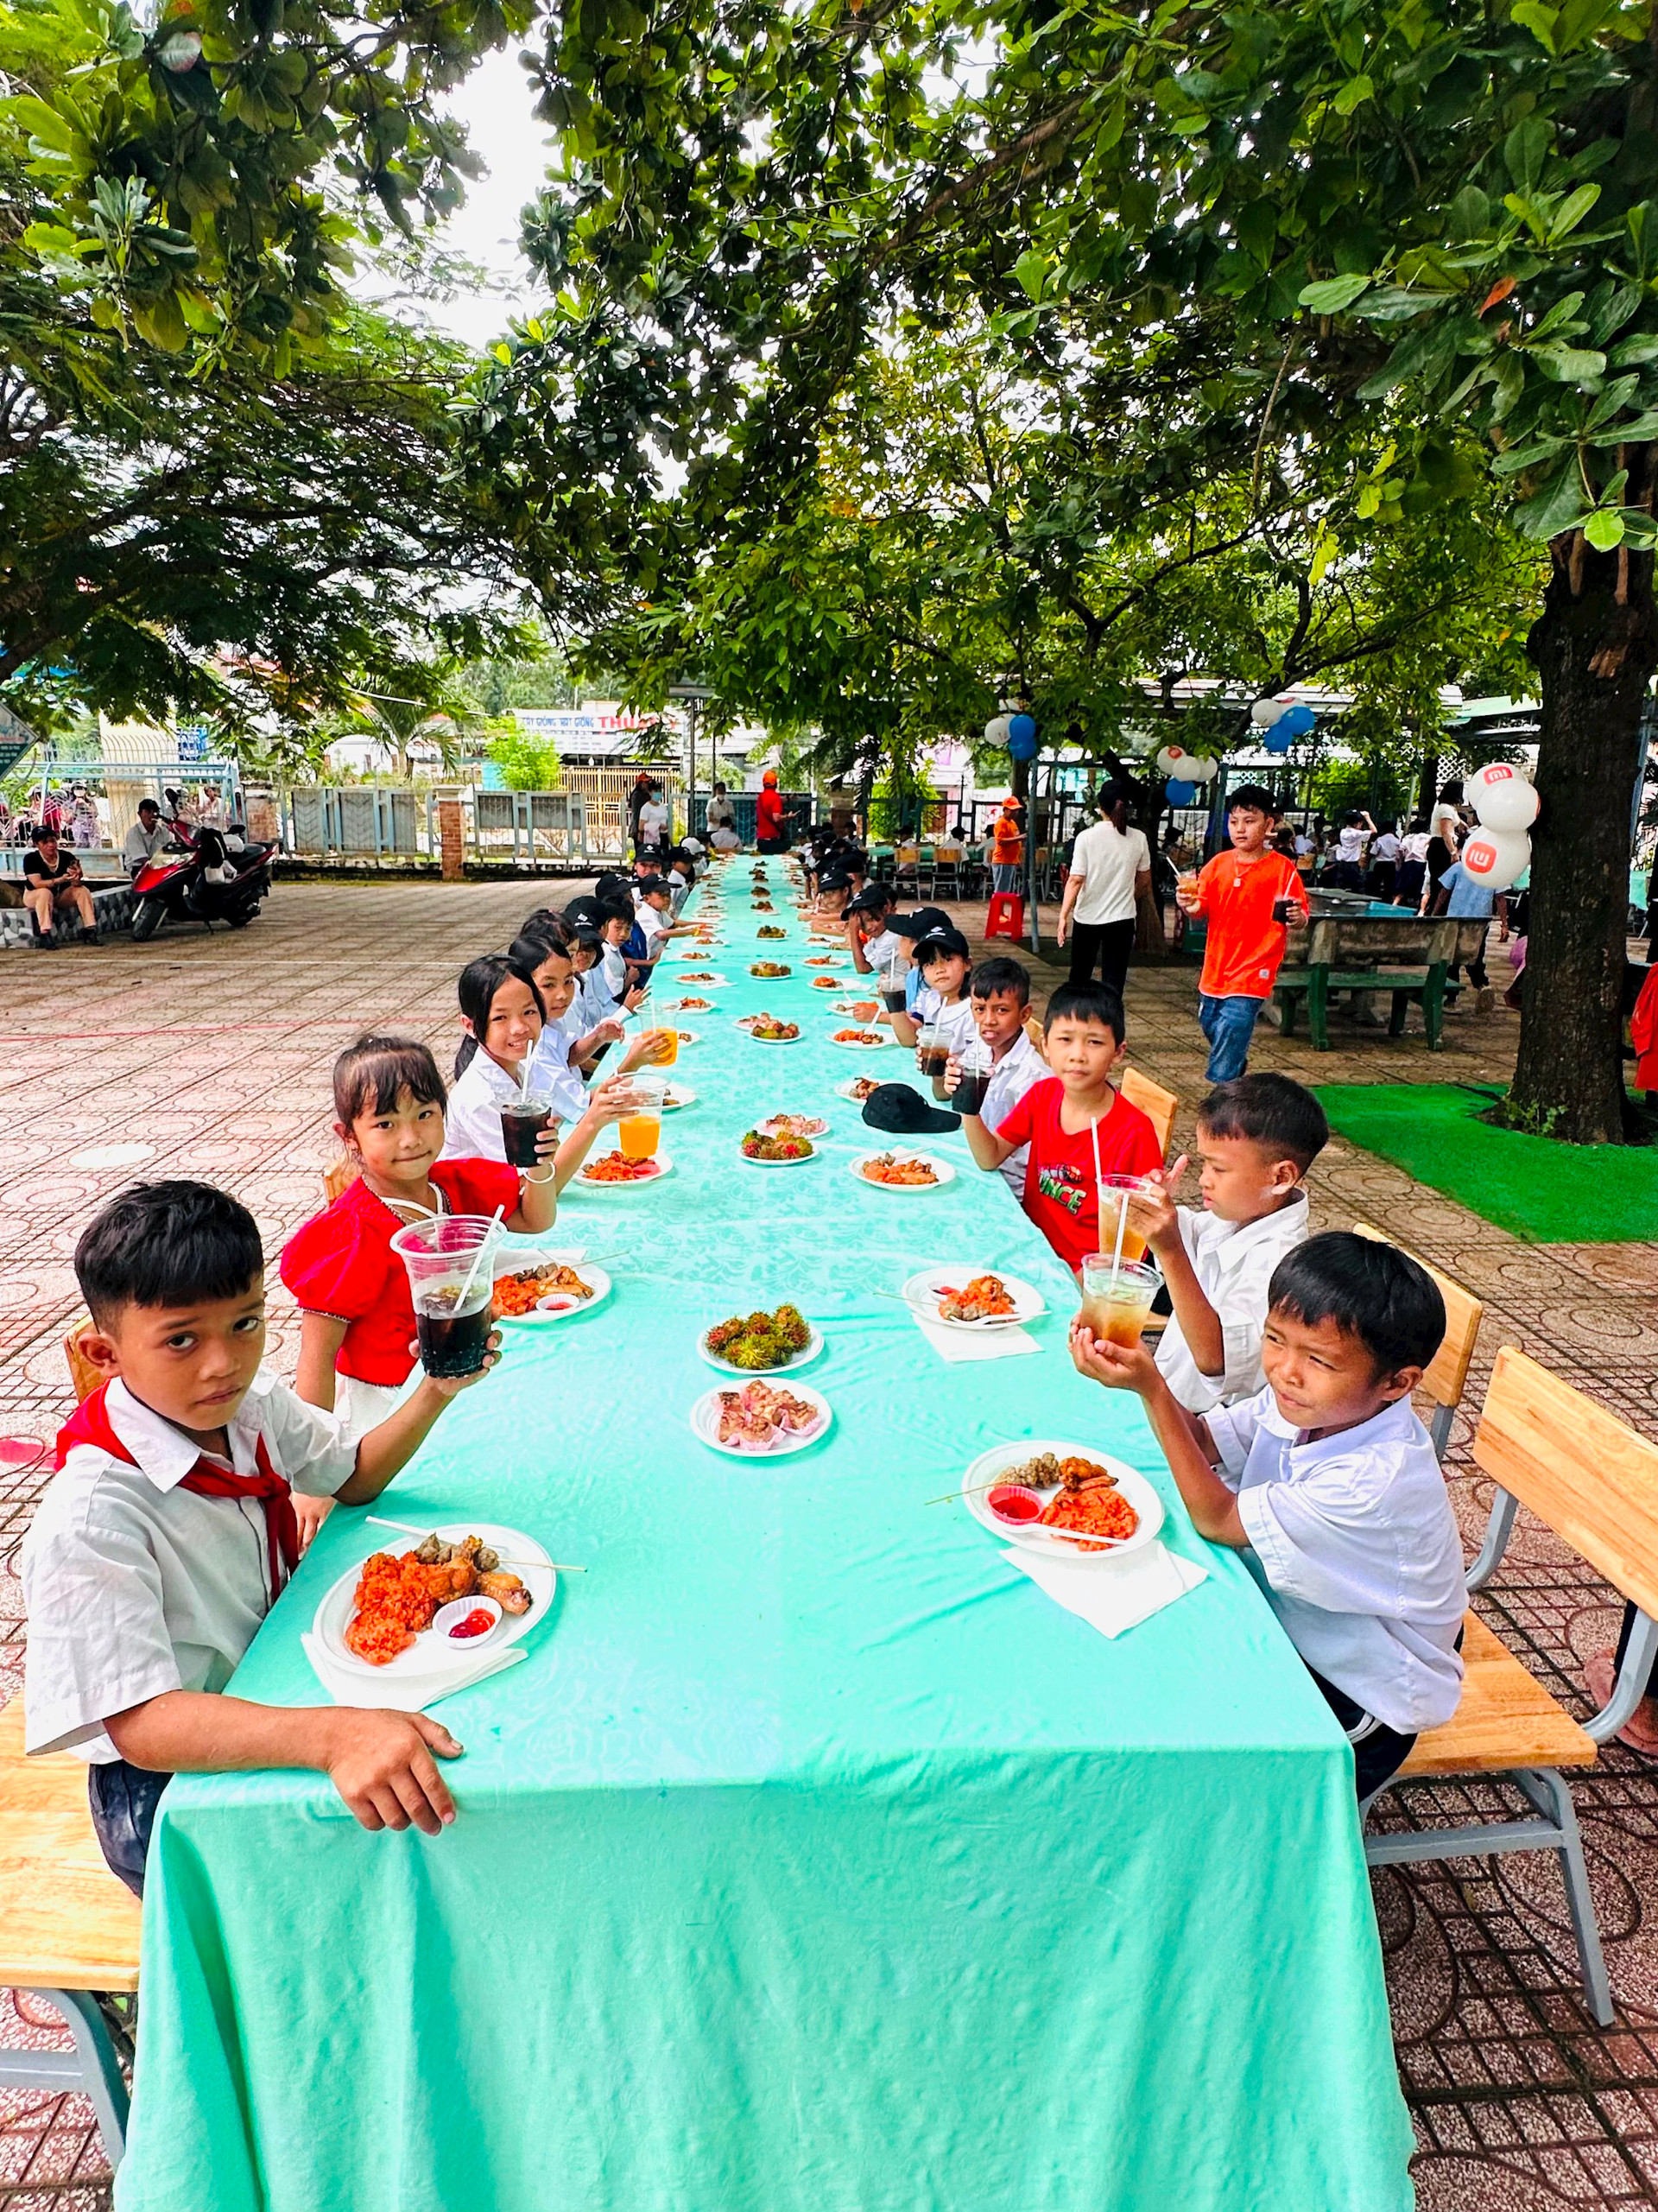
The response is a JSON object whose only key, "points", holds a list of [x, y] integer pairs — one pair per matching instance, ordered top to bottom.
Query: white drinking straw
{"points": [[483, 1246]]}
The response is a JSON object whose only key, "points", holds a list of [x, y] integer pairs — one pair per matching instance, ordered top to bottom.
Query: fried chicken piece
{"points": [[508, 1591]]}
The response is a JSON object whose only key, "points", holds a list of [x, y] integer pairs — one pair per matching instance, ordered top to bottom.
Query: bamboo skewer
{"points": [[407, 1527]]}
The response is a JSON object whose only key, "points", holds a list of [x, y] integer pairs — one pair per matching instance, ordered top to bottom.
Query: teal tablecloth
{"points": [[814, 1862]]}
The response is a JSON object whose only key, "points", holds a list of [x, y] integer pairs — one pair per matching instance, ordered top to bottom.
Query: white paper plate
{"points": [[825, 963], [783, 978], [698, 981], [688, 1007], [843, 1008], [686, 1036], [774, 1040], [853, 1044], [846, 1091], [676, 1101], [764, 1124], [816, 1153], [942, 1169], [578, 1181], [923, 1290], [538, 1318], [802, 1359], [704, 1424], [989, 1466], [431, 1653]]}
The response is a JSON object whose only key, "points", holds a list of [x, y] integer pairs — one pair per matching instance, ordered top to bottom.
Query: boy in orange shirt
{"points": [[1241, 893]]}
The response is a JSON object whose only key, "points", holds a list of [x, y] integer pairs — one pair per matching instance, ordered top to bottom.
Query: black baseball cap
{"points": [[834, 883], [876, 898], [921, 923], [941, 941], [902, 1112]]}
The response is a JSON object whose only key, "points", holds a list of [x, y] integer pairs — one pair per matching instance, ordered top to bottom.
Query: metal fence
{"points": [[554, 830]]}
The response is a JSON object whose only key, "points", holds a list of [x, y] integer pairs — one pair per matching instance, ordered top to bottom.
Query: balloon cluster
{"points": [[1280, 723], [1016, 732], [1185, 771], [1507, 803]]}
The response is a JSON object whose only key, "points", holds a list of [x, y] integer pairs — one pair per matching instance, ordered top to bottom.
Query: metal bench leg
{"points": [[1439, 1430], [1498, 1529], [1551, 1793], [91, 2070]]}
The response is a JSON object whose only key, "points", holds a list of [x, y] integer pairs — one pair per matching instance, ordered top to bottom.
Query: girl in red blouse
{"points": [[358, 1319]]}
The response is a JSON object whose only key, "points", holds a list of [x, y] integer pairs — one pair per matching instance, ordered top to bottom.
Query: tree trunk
{"points": [[1595, 653], [1428, 789]]}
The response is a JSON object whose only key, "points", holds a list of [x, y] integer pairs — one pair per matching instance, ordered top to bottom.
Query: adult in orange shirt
{"points": [[769, 830], [1007, 848], [1238, 891]]}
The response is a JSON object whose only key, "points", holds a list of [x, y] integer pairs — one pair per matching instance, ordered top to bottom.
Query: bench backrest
{"points": [[1159, 1105], [340, 1176], [82, 1373], [1446, 1374], [1577, 1467]]}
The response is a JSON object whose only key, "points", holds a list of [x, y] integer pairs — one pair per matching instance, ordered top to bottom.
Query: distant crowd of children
{"points": [[189, 1481]]}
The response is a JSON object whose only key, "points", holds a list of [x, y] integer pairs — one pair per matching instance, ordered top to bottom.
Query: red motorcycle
{"points": [[209, 880]]}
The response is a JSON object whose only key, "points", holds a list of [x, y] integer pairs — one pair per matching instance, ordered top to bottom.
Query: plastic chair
{"points": [[947, 872], [907, 875], [1006, 917]]}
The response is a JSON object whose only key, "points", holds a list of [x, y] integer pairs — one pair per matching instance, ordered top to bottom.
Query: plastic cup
{"points": [[666, 1050], [932, 1050], [976, 1063], [522, 1120], [639, 1134], [1115, 1193], [452, 1295], [1116, 1310]]}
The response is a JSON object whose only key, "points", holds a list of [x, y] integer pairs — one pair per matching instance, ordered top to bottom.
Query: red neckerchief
{"points": [[90, 1424]]}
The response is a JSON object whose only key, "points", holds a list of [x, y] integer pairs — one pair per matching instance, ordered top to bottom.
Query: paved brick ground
{"points": [[212, 1056]]}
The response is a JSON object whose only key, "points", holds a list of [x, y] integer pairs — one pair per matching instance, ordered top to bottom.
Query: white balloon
{"points": [[1265, 711], [996, 731], [1173, 760], [1202, 771], [1503, 798], [1493, 857]]}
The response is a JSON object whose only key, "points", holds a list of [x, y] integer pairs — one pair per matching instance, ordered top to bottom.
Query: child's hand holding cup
{"points": [[1153, 1213]]}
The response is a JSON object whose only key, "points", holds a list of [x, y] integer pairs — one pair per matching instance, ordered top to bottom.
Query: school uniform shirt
{"points": [[1350, 846], [1386, 846], [1414, 847], [1109, 858], [1470, 902], [652, 928], [887, 945], [1245, 946], [614, 966], [595, 1002], [956, 1021], [1020, 1066], [551, 1075], [471, 1119], [1061, 1195], [1233, 1261], [340, 1262], [1353, 1539], [136, 1586]]}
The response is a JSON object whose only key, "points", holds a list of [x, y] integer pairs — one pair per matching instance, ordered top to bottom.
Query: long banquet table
{"points": [[813, 1861]]}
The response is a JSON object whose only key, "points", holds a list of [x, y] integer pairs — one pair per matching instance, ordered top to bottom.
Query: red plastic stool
{"points": [[1006, 917]]}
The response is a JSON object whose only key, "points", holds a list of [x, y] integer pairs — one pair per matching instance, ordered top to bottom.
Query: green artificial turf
{"points": [[1545, 1192]]}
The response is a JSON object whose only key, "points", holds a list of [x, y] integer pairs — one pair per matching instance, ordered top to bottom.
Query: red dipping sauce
{"points": [[1011, 1501], [477, 1622]]}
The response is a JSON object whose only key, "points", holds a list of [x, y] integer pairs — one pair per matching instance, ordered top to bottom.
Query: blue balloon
{"points": [[1294, 722], [1021, 728], [1277, 738], [1179, 793]]}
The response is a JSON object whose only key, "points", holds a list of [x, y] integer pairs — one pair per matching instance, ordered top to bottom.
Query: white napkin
{"points": [[957, 1348], [1113, 1597], [405, 1693]]}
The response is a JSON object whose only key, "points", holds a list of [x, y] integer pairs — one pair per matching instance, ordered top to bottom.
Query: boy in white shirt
{"points": [[869, 940], [944, 960], [1000, 991], [1258, 1136], [1329, 1484], [169, 1532]]}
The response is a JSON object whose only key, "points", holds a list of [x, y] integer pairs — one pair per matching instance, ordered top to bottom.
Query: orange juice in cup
{"points": [[666, 1049], [639, 1134], [1115, 1193], [1115, 1302]]}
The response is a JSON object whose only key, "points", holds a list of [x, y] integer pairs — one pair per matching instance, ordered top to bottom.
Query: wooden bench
{"points": [[1409, 957], [1160, 1106], [1446, 1376], [1594, 1482], [67, 1927]]}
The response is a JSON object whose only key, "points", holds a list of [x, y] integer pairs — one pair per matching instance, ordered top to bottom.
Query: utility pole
{"points": [[694, 695]]}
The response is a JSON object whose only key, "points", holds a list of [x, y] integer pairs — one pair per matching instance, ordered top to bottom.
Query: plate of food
{"points": [[771, 929], [825, 960], [768, 971], [703, 980], [689, 1006], [861, 1009], [766, 1029], [689, 1036], [861, 1040], [858, 1089], [673, 1100], [793, 1125], [761, 1151], [615, 1171], [903, 1171], [547, 1290], [960, 1297], [761, 1343], [761, 1419], [1062, 1499], [381, 1617]]}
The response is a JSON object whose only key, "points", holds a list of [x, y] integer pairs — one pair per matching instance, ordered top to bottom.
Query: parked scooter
{"points": [[211, 879]]}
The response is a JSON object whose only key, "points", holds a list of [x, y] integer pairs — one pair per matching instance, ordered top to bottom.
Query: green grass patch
{"points": [[1545, 1192]]}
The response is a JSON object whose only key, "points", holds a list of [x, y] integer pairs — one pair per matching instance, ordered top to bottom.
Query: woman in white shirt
{"points": [[502, 1012]]}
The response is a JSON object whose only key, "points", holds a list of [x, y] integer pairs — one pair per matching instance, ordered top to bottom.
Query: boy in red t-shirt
{"points": [[1240, 891], [1061, 1117]]}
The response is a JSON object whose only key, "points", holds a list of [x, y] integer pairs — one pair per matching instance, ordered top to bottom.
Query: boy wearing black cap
{"points": [[869, 941]]}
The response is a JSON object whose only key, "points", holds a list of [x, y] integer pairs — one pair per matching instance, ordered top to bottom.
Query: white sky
{"points": [[495, 103]]}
